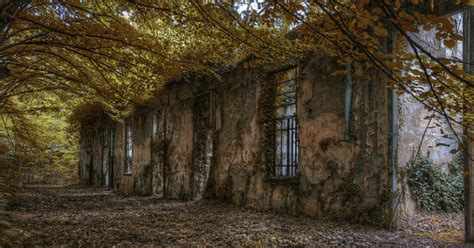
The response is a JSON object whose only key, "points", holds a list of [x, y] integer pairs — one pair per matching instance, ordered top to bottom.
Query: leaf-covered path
{"points": [[75, 216]]}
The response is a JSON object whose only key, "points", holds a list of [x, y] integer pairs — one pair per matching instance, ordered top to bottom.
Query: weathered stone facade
{"points": [[207, 138], [338, 177]]}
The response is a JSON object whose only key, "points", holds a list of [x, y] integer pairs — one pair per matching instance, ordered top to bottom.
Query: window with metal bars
{"points": [[285, 135], [127, 169]]}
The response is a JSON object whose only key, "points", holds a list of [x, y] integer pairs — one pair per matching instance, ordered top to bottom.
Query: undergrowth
{"points": [[435, 190]]}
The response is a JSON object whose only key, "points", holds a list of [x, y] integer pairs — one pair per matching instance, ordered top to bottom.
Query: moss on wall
{"points": [[345, 179]]}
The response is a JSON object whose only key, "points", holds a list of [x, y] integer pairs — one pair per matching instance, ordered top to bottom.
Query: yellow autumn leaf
{"points": [[380, 31], [449, 43]]}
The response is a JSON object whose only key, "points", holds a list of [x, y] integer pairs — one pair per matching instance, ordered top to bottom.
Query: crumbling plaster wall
{"points": [[175, 103], [179, 133], [438, 141], [437, 144], [158, 150], [86, 154], [118, 156], [97, 158], [141, 165], [240, 166], [337, 178], [345, 179], [140, 180], [369, 188]]}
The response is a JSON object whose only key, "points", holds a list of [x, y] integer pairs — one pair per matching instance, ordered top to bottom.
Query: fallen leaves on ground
{"points": [[76, 216], [447, 227], [10, 234]]}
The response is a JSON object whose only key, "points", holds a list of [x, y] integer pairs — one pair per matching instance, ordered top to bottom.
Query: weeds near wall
{"points": [[435, 190]]}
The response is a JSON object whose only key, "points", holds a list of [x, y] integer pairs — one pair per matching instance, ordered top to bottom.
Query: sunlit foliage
{"points": [[119, 53]]}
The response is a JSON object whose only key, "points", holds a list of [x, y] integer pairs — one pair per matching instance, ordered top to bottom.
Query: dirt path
{"points": [[74, 216]]}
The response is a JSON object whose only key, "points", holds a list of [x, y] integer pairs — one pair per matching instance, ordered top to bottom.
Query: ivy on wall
{"points": [[435, 190]]}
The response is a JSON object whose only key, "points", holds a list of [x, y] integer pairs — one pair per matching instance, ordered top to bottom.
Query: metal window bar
{"points": [[285, 124], [286, 152]]}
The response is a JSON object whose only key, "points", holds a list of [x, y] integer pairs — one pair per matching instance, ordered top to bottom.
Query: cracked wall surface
{"points": [[337, 178], [344, 179]]}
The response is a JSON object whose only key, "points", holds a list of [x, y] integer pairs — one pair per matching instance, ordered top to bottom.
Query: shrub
{"points": [[434, 190]]}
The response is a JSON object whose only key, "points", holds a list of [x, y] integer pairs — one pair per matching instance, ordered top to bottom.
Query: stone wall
{"points": [[179, 138], [439, 140], [437, 144], [224, 157], [337, 178]]}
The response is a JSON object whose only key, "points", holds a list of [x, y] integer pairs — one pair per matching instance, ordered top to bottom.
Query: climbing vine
{"points": [[435, 190]]}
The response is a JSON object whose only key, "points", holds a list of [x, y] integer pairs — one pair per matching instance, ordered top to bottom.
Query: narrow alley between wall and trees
{"points": [[236, 123], [78, 216]]}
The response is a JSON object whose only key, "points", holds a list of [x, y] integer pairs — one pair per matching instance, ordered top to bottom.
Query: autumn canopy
{"points": [[57, 56]]}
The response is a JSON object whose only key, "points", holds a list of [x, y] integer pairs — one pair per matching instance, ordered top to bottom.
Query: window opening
{"points": [[285, 123], [128, 147]]}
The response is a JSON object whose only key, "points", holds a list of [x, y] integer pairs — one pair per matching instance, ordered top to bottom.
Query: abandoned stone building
{"points": [[297, 139]]}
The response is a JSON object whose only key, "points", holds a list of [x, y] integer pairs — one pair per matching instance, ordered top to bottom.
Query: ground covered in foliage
{"points": [[75, 216]]}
